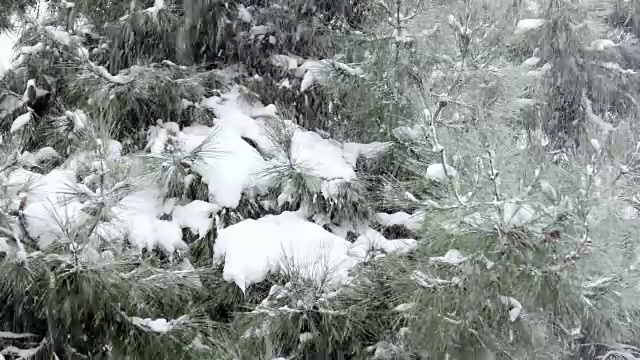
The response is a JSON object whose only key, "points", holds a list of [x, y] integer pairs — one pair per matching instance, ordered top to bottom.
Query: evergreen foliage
{"points": [[427, 180]]}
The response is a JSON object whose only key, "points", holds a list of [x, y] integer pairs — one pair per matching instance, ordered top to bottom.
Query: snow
{"points": [[244, 14], [526, 25], [259, 30], [59, 35], [7, 41], [602, 44], [37, 48], [284, 61], [530, 62], [102, 71], [541, 71], [311, 72], [525, 102], [9, 104], [236, 114], [79, 119], [20, 122], [408, 134], [158, 138], [114, 150], [367, 151], [45, 154], [319, 156], [230, 165], [234, 166], [436, 172], [54, 186], [548, 190], [48, 210], [629, 213], [517, 214], [135, 216], [196, 216], [48, 221], [410, 221], [149, 232], [371, 241], [279, 243], [452, 257], [404, 307], [516, 307], [159, 325]]}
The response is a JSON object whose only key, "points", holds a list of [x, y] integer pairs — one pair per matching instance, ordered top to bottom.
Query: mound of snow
{"points": [[526, 25], [20, 122], [353, 151], [320, 157], [229, 166], [233, 166], [436, 172], [517, 215], [196, 216], [136, 218], [48, 221], [410, 221], [371, 240], [283, 243]]}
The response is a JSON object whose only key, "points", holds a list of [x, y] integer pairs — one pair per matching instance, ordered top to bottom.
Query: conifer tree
{"points": [[227, 179]]}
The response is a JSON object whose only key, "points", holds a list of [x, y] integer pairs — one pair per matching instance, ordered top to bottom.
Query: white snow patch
{"points": [[244, 14], [526, 25], [259, 30], [59, 35], [7, 41], [602, 44], [284, 61], [530, 62], [312, 72], [79, 119], [21, 121], [407, 133], [114, 150], [367, 151], [46, 153], [320, 157], [232, 167], [436, 172], [629, 213], [517, 214], [196, 216], [410, 221], [371, 241], [252, 248], [452, 257], [159, 325]]}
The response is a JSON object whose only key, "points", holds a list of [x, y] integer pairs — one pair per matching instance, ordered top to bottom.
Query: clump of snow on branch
{"points": [[253, 248]]}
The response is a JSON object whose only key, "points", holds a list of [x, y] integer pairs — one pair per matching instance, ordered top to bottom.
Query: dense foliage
{"points": [[353, 179]]}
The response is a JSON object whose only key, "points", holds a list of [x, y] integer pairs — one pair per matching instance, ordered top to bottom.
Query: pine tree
{"points": [[169, 192]]}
